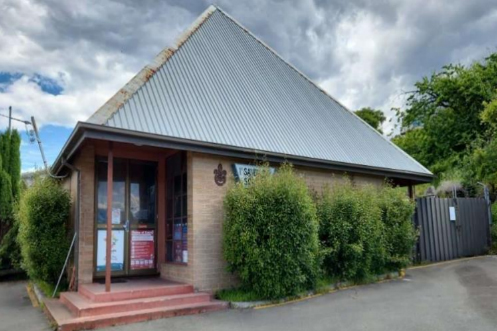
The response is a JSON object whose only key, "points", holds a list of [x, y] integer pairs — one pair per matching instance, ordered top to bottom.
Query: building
{"points": [[169, 139]]}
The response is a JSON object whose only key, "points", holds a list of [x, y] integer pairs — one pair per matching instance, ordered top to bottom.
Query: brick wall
{"points": [[85, 161], [206, 213], [180, 272]]}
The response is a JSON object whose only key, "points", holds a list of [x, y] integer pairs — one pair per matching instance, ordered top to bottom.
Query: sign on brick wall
{"points": [[243, 172]]}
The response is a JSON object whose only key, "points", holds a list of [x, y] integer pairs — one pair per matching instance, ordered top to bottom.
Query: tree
{"points": [[447, 109], [373, 117], [14, 169], [10, 175]]}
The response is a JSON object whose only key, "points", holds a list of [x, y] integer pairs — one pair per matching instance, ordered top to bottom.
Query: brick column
{"points": [[86, 163]]}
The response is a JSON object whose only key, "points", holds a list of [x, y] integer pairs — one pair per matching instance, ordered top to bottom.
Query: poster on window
{"points": [[142, 249], [117, 250]]}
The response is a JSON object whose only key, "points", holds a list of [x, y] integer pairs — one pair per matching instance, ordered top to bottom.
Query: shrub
{"points": [[43, 212], [493, 229], [351, 232], [270, 234], [400, 234]]}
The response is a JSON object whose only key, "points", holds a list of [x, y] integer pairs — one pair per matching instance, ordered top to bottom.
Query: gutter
{"points": [[85, 130], [76, 216]]}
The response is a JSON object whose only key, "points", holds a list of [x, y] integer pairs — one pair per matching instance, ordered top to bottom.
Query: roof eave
{"points": [[85, 130]]}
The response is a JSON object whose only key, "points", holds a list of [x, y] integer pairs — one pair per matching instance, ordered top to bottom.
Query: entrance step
{"points": [[134, 289], [129, 302], [82, 306], [66, 322]]}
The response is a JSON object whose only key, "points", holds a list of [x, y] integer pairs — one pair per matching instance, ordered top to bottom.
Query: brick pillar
{"points": [[86, 163]]}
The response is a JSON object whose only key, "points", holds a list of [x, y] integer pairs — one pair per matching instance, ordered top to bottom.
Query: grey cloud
{"points": [[366, 53]]}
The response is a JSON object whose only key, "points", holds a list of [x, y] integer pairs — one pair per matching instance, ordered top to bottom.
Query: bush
{"points": [[43, 212], [493, 230], [351, 232], [270, 234], [400, 234]]}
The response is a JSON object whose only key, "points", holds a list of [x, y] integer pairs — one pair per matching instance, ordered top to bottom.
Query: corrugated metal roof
{"points": [[220, 84]]}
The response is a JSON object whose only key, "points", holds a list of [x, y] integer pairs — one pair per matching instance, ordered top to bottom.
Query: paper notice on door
{"points": [[452, 213], [116, 215], [142, 249]]}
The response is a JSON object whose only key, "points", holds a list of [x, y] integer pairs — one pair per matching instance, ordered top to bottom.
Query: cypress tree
{"points": [[6, 150], [14, 168]]}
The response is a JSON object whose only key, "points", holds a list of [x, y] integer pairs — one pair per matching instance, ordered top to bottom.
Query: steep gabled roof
{"points": [[219, 84]]}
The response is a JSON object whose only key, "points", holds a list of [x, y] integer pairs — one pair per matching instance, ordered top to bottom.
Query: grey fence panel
{"points": [[440, 238]]}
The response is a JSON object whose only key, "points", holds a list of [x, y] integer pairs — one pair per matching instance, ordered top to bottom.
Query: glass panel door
{"points": [[133, 217], [142, 217], [118, 260]]}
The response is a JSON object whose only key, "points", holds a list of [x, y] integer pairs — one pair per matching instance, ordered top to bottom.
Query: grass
{"points": [[322, 286], [48, 289], [237, 295], [242, 295]]}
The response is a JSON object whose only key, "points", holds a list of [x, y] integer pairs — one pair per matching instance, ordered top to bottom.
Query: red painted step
{"points": [[136, 289], [81, 306], [63, 317]]}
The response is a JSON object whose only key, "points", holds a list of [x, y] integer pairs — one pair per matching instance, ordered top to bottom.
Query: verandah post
{"points": [[110, 184]]}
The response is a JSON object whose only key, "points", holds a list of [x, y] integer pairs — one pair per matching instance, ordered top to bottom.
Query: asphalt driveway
{"points": [[460, 295], [17, 312]]}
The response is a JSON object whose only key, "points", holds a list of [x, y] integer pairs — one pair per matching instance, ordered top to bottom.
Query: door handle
{"points": [[126, 226]]}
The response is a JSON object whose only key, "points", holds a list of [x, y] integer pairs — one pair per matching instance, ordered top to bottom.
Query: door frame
{"points": [[127, 232]]}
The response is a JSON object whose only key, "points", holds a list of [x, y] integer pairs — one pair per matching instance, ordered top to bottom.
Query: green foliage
{"points": [[450, 111], [373, 117], [413, 143], [481, 165], [14, 168], [10, 175], [5, 198], [44, 210], [494, 213], [493, 229], [364, 231], [351, 232], [270, 234], [400, 234], [10, 252], [237, 295]]}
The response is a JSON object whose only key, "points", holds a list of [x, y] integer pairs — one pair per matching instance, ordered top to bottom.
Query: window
{"points": [[118, 191], [142, 193], [176, 209]]}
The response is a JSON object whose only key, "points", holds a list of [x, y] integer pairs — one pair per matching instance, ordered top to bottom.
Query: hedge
{"points": [[43, 214], [365, 230], [351, 232], [270, 234], [400, 234]]}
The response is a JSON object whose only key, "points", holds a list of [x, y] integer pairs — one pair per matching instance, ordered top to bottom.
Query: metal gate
{"points": [[451, 228]]}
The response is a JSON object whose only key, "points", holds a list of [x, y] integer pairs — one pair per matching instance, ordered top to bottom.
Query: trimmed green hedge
{"points": [[43, 214], [365, 231], [351, 232], [270, 234], [400, 234], [279, 240]]}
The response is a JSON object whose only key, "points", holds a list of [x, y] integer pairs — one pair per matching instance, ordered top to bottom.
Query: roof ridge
{"points": [[313, 83], [111, 106]]}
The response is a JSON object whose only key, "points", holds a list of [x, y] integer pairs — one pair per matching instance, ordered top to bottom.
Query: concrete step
{"points": [[135, 289], [81, 306], [63, 317]]}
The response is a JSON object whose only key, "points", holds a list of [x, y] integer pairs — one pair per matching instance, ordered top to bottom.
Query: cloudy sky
{"points": [[61, 60]]}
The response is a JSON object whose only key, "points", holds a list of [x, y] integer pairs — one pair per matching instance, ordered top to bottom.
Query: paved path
{"points": [[460, 295], [16, 310]]}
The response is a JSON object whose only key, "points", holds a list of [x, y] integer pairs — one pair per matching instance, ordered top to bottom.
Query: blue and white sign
{"points": [[243, 172]]}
